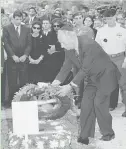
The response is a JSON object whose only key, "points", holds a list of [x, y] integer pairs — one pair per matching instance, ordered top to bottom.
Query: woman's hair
{"points": [[92, 19], [57, 20], [37, 23]]}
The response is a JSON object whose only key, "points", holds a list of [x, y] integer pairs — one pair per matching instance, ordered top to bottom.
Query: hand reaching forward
{"points": [[56, 83], [64, 90]]}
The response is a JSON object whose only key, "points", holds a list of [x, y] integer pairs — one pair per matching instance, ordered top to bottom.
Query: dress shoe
{"points": [[111, 109], [124, 114], [107, 137], [83, 141]]}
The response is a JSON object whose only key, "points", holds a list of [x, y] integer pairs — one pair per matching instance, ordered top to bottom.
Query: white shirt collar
{"points": [[19, 28], [46, 32]]}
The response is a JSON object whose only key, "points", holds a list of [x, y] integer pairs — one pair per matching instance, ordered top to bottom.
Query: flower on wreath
{"points": [[62, 143], [54, 144], [40, 145]]}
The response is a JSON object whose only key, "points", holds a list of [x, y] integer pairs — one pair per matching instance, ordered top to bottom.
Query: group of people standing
{"points": [[44, 50], [33, 53]]}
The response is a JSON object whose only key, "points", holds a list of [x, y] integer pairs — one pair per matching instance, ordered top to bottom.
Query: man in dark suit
{"points": [[32, 16], [17, 44], [101, 75]]}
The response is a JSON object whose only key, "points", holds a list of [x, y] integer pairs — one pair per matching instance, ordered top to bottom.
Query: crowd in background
{"points": [[44, 56]]}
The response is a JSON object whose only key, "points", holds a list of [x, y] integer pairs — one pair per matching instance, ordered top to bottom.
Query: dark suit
{"points": [[26, 21], [19, 46], [101, 76]]}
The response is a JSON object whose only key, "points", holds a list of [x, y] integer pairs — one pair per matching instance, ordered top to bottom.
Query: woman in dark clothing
{"points": [[89, 22], [36, 54], [54, 54]]}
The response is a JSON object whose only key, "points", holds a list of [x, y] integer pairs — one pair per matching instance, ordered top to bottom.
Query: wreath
{"points": [[53, 106]]}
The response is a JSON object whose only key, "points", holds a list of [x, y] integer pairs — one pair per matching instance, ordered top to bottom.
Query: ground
{"points": [[119, 126]]}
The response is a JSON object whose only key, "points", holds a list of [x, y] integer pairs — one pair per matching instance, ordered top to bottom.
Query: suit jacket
{"points": [[26, 21], [50, 39], [15, 45], [93, 64]]}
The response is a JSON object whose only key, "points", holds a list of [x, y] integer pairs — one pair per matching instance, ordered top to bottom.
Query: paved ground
{"points": [[119, 126]]}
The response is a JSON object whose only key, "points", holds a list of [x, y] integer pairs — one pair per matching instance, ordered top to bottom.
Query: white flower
{"points": [[41, 84], [42, 122], [54, 123], [59, 128], [20, 136], [46, 138], [14, 143], [62, 143], [53, 144], [40, 145]]}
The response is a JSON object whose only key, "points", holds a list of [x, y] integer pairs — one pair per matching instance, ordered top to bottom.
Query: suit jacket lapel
{"points": [[14, 32], [21, 32], [73, 57]]}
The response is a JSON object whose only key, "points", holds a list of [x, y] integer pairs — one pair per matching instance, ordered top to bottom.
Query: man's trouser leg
{"points": [[12, 75], [123, 87], [115, 94], [114, 98], [87, 116], [103, 116]]}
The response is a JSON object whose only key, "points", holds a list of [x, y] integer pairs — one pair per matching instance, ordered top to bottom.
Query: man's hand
{"points": [[52, 49], [16, 58], [23, 58], [56, 83], [64, 90]]}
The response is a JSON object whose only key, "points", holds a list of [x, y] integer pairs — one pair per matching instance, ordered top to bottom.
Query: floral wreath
{"points": [[55, 107]]}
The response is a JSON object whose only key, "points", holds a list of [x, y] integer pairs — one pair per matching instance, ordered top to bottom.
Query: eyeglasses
{"points": [[56, 25], [38, 28]]}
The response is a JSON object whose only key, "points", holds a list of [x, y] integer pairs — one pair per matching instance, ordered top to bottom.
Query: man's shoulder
{"points": [[8, 27]]}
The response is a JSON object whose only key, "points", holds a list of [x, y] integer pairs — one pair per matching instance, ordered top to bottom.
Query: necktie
{"points": [[17, 31]]}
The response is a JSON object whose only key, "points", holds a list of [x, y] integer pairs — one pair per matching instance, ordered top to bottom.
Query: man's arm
{"points": [[7, 46], [28, 48], [86, 66], [65, 69]]}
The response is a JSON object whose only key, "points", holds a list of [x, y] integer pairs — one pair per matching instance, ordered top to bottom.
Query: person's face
{"points": [[32, 12], [57, 13], [69, 15], [120, 18], [17, 20], [78, 20], [110, 20], [88, 22], [97, 24], [46, 25], [56, 26], [36, 28]]}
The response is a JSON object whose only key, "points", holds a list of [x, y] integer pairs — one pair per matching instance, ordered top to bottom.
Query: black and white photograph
{"points": [[63, 74]]}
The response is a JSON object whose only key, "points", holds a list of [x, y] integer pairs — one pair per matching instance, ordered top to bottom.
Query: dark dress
{"points": [[52, 63], [34, 70]]}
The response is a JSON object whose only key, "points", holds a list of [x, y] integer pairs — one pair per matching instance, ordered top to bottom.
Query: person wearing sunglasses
{"points": [[57, 24], [36, 54]]}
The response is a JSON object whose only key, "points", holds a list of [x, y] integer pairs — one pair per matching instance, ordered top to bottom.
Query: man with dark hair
{"points": [[32, 16], [68, 20], [16, 38], [112, 38]]}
